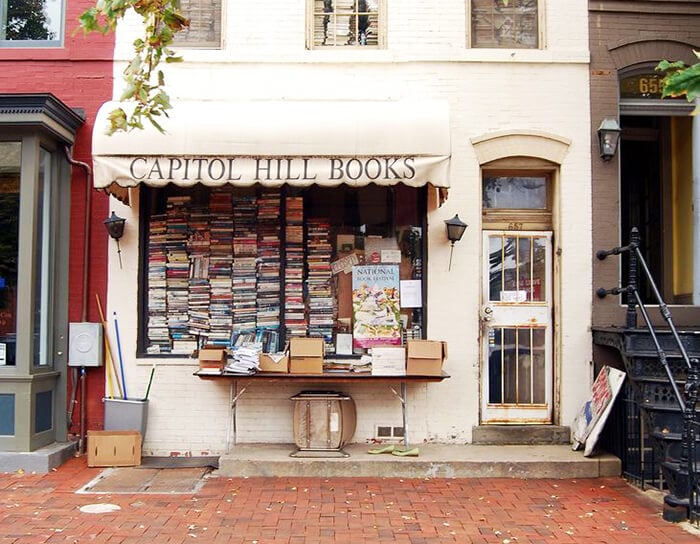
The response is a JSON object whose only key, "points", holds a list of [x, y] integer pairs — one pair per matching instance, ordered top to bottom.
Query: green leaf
{"points": [[162, 20]]}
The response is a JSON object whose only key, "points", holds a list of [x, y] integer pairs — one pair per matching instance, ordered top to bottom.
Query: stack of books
{"points": [[245, 252], [220, 265], [177, 271], [319, 285], [199, 293], [269, 301], [294, 308], [157, 325]]}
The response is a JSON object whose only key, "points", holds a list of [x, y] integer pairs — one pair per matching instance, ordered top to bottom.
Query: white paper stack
{"points": [[245, 359], [388, 361]]}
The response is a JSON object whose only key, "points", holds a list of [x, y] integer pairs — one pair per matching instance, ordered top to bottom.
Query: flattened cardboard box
{"points": [[306, 355], [425, 357], [114, 448]]}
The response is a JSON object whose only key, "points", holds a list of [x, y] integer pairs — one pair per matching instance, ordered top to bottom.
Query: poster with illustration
{"points": [[376, 307], [589, 422]]}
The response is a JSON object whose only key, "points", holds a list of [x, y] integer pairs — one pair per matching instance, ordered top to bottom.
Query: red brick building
{"points": [[53, 243]]}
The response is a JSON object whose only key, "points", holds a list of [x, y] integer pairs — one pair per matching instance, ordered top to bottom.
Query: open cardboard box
{"points": [[425, 357], [212, 358], [274, 362]]}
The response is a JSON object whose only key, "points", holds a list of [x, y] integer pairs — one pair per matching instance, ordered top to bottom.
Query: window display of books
{"points": [[238, 266]]}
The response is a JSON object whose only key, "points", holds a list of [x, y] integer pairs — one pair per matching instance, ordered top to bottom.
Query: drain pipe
{"points": [[83, 310]]}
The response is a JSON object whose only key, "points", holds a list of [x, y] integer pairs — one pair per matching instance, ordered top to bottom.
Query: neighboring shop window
{"points": [[28, 23], [346, 23], [504, 24], [204, 30], [10, 159], [227, 265], [43, 276]]}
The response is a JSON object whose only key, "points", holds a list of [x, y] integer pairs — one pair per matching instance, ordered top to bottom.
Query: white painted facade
{"points": [[544, 92]]}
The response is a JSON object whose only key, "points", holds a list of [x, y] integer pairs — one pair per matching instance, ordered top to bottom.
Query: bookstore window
{"points": [[26, 23], [346, 23], [505, 24], [204, 30], [227, 265]]}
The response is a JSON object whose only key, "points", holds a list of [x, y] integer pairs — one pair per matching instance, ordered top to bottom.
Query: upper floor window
{"points": [[31, 23], [346, 23], [505, 24], [204, 31]]}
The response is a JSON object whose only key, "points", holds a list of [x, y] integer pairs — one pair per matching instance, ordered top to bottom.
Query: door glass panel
{"points": [[9, 240], [495, 267], [517, 269], [517, 365]]}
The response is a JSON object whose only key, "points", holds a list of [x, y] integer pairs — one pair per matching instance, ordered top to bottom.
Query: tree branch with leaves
{"points": [[681, 80], [145, 82]]}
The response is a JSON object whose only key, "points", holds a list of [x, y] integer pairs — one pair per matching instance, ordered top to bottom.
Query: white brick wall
{"points": [[488, 91]]}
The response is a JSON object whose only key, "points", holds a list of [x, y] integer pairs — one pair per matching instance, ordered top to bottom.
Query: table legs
{"points": [[402, 398]]}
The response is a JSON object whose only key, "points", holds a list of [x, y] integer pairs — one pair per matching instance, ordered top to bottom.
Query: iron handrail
{"points": [[631, 289], [689, 450]]}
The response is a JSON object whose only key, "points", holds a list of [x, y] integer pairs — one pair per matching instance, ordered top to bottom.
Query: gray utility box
{"points": [[85, 344], [126, 415], [324, 422]]}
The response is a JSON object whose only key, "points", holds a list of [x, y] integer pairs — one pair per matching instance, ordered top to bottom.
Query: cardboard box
{"points": [[306, 355], [425, 357], [210, 358], [389, 361], [274, 362], [114, 448]]}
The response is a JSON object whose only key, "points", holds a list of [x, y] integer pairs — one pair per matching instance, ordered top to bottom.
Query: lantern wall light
{"points": [[608, 138], [115, 227], [455, 231]]}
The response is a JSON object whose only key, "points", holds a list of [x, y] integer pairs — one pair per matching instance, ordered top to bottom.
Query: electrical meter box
{"points": [[85, 344]]}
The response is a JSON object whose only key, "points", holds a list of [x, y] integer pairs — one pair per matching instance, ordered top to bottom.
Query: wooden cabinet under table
{"points": [[239, 383]]}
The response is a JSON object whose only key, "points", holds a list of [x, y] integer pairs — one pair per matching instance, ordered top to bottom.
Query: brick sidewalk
{"points": [[46, 508]]}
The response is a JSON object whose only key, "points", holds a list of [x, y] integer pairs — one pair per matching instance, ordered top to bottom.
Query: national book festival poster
{"points": [[376, 305]]}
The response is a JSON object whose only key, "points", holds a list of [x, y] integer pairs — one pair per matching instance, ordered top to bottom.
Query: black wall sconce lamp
{"points": [[608, 138], [115, 227], [455, 231]]}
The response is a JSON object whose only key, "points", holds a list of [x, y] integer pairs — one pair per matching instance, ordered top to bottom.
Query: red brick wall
{"points": [[80, 75]]}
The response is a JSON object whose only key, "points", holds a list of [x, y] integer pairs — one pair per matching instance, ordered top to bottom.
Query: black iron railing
{"points": [[687, 401]]}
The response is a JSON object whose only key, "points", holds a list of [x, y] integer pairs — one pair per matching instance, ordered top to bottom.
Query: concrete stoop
{"points": [[521, 435], [42, 460], [433, 461]]}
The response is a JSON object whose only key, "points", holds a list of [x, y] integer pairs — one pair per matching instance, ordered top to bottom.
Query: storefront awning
{"points": [[273, 143]]}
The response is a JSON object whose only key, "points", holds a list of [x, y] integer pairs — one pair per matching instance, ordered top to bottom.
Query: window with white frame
{"points": [[31, 23], [346, 23], [505, 24], [204, 30]]}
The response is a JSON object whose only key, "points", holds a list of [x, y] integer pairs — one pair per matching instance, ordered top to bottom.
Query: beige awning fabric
{"points": [[273, 143]]}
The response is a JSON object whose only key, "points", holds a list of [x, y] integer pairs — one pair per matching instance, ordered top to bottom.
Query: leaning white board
{"points": [[590, 421]]}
